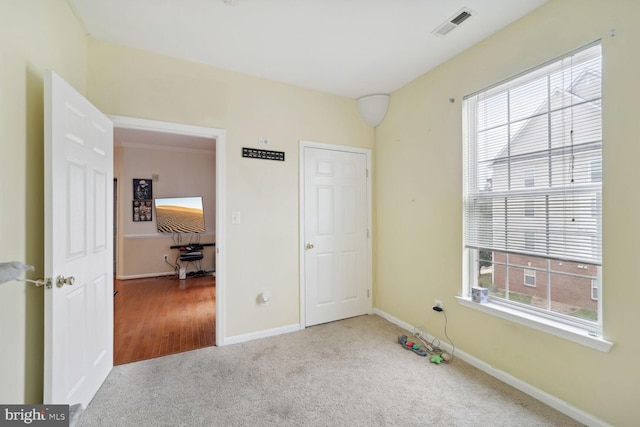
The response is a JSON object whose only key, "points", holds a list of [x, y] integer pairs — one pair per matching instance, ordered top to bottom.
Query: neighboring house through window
{"points": [[533, 190]]}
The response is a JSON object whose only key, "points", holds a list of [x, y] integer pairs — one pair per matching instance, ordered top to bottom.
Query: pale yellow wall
{"points": [[34, 35], [418, 152], [180, 173], [419, 206], [262, 251]]}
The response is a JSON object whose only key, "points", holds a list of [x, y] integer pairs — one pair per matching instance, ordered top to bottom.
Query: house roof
{"points": [[576, 94]]}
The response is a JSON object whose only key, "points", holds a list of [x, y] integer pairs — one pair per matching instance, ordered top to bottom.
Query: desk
{"points": [[192, 245], [192, 253]]}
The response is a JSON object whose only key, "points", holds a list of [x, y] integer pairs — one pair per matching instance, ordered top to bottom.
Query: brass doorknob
{"points": [[309, 246], [61, 281]]}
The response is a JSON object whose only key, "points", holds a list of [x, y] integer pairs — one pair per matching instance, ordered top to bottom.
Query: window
{"points": [[537, 139], [596, 170], [529, 178], [529, 208], [529, 241], [530, 278]]}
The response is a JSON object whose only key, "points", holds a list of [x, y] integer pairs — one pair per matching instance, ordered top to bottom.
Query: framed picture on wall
{"points": [[142, 189], [142, 210]]}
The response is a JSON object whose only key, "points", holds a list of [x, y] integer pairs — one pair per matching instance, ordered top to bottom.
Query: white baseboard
{"points": [[163, 274], [143, 276], [261, 334], [544, 397]]}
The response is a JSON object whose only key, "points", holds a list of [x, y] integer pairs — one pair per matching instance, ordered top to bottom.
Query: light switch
{"points": [[235, 217]]}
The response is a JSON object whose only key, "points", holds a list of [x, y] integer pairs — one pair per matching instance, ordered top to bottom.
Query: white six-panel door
{"points": [[335, 234], [78, 245]]}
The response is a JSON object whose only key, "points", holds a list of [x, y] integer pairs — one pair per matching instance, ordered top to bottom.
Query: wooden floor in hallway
{"points": [[158, 316]]}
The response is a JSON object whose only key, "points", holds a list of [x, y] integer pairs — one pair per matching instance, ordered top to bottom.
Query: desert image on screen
{"points": [[179, 218]]}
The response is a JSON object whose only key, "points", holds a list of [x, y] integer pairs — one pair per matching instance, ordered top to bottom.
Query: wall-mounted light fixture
{"points": [[373, 108]]}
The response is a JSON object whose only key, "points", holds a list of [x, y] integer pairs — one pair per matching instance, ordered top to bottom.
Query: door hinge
{"points": [[366, 173], [367, 233], [368, 294]]}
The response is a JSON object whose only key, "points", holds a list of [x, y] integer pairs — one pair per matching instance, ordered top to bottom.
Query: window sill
{"points": [[558, 329]]}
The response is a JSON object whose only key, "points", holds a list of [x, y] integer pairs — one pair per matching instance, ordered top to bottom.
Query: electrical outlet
{"points": [[165, 257], [437, 303]]}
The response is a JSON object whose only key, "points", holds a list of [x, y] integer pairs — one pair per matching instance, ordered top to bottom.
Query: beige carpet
{"points": [[347, 373]]}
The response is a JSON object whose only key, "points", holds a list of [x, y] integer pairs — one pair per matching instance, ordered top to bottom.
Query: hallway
{"points": [[158, 316]]}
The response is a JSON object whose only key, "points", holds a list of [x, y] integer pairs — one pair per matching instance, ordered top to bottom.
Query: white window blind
{"points": [[533, 162]]}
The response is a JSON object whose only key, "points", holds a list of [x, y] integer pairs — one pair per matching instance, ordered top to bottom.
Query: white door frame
{"points": [[220, 136], [301, 248]]}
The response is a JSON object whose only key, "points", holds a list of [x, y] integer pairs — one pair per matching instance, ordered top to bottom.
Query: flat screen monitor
{"points": [[180, 215]]}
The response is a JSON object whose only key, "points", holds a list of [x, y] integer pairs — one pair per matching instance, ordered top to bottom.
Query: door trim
{"points": [[220, 136], [301, 223]]}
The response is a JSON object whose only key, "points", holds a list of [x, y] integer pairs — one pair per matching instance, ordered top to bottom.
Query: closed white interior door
{"points": [[336, 234], [78, 245]]}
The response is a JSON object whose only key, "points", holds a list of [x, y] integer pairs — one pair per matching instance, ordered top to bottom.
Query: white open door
{"points": [[336, 243], [78, 245]]}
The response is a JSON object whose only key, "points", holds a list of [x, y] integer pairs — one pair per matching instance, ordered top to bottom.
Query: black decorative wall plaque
{"points": [[255, 153]]}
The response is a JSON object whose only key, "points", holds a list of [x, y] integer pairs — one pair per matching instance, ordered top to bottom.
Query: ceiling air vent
{"points": [[453, 22]]}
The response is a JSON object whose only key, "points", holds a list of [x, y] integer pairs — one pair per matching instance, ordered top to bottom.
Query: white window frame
{"points": [[584, 332]]}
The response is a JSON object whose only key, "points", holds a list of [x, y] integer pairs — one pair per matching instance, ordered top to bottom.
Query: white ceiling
{"points": [[346, 47]]}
